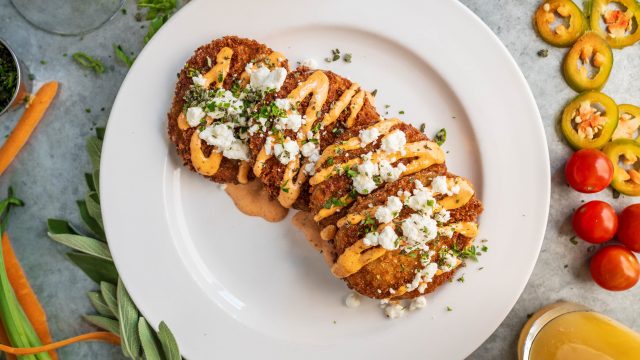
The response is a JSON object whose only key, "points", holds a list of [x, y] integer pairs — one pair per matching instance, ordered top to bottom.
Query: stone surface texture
{"points": [[48, 174]]}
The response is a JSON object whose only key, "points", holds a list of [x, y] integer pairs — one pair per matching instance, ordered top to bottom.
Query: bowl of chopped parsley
{"points": [[14, 87]]}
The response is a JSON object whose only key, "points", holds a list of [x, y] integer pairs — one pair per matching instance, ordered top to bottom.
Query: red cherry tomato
{"points": [[589, 171], [595, 222], [629, 227], [615, 268]]}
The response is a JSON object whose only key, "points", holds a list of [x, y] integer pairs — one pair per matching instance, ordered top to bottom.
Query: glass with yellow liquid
{"points": [[568, 331]]}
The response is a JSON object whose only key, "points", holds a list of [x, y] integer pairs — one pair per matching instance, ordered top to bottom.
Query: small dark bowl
{"points": [[24, 84]]}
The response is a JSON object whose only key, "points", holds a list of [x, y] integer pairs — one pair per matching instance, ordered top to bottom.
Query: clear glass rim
{"points": [[82, 32]]}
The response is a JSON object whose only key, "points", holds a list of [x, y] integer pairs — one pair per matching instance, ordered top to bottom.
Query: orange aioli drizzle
{"points": [[218, 72], [340, 105], [355, 107], [182, 121], [353, 143], [427, 153], [206, 166], [243, 172], [358, 255]]}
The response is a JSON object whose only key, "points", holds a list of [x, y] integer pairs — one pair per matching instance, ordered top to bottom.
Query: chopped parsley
{"points": [[543, 53], [122, 55], [335, 56], [347, 57], [374, 92], [423, 127], [441, 136], [330, 160], [284, 187], [331, 202], [369, 223], [573, 240], [449, 308]]}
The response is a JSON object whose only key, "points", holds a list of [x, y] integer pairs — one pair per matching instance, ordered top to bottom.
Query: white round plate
{"points": [[233, 286]]}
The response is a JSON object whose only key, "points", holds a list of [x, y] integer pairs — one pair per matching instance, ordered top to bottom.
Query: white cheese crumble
{"points": [[310, 63], [263, 79], [199, 80], [225, 104], [283, 104], [194, 115], [291, 122], [219, 135], [367, 136], [394, 141], [237, 151], [287, 151], [311, 151], [388, 173], [363, 182], [422, 199], [384, 214], [442, 216], [419, 230], [388, 238], [371, 239], [449, 263], [423, 278], [352, 300], [418, 303], [394, 311]]}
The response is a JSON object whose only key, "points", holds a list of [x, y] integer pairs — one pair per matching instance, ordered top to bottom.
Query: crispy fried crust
{"points": [[244, 50], [274, 170], [394, 269]]}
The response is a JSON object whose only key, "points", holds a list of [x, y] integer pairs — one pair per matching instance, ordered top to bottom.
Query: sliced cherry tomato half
{"points": [[561, 35], [589, 171], [595, 222], [629, 227], [615, 268]]}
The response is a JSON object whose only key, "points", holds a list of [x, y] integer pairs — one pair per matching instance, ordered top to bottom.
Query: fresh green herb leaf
{"points": [[155, 25], [543, 53], [122, 55], [347, 57], [441, 136], [573, 240], [100, 305], [128, 315], [112, 326], [149, 340], [169, 344]]}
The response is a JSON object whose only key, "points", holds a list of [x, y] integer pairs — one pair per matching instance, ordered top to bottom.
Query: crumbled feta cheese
{"points": [[310, 63], [263, 79], [199, 80], [225, 104], [283, 104], [194, 115], [292, 122], [253, 129], [219, 135], [367, 136], [394, 141], [268, 146], [309, 149], [237, 150], [287, 151], [368, 168], [388, 173], [363, 184], [439, 185], [422, 200], [394, 204], [383, 215], [442, 216], [419, 229], [446, 231], [388, 238], [371, 239], [450, 262], [352, 300], [418, 303], [394, 311]]}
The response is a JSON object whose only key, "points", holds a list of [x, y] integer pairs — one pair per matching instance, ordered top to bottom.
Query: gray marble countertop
{"points": [[48, 174]]}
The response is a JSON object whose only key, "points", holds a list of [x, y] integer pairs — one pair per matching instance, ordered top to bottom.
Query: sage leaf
{"points": [[94, 146], [88, 178], [96, 182], [93, 206], [90, 222], [57, 226], [84, 244], [97, 269], [108, 292], [99, 304], [128, 316], [110, 325], [149, 340], [169, 344]]}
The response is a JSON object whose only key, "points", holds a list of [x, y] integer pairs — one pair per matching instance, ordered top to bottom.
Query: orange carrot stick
{"points": [[27, 124], [25, 294], [95, 336], [4, 339]]}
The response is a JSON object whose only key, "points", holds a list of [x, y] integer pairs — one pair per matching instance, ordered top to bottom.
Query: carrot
{"points": [[27, 124], [25, 294], [95, 336], [4, 339]]}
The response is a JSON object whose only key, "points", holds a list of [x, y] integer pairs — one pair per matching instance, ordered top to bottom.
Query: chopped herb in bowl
{"points": [[8, 77]]}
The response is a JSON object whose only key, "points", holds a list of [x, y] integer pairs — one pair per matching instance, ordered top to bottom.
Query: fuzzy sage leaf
{"points": [[84, 244], [96, 268], [109, 295], [99, 304], [128, 316], [105, 323], [149, 341], [169, 344]]}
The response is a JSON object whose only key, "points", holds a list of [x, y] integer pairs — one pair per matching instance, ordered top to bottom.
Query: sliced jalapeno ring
{"points": [[616, 21], [572, 22], [588, 64], [589, 120], [628, 123], [625, 156]]}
